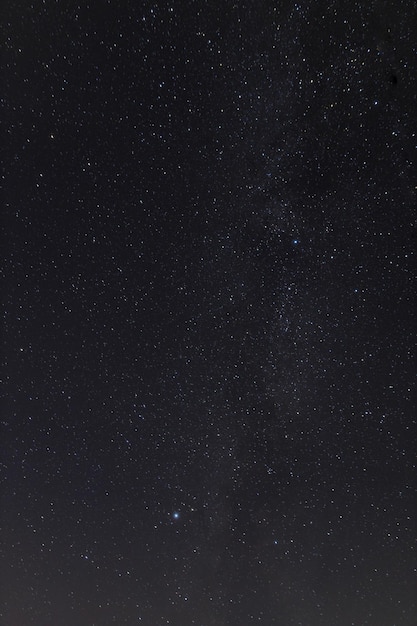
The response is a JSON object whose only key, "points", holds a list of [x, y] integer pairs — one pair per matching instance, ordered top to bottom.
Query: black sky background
{"points": [[208, 411]]}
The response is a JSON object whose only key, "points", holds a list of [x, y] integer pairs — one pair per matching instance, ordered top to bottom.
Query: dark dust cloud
{"points": [[208, 412]]}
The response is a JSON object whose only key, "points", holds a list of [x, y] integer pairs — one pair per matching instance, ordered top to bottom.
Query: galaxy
{"points": [[208, 412]]}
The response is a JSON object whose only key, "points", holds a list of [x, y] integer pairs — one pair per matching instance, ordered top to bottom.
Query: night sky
{"points": [[208, 410]]}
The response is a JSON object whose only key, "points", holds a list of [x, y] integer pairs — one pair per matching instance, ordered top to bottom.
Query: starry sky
{"points": [[208, 406]]}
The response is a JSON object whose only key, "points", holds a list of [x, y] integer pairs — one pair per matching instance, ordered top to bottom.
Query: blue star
{"points": [[296, 241], [176, 515]]}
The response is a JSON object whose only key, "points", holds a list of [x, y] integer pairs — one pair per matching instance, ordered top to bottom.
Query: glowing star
{"points": [[176, 515]]}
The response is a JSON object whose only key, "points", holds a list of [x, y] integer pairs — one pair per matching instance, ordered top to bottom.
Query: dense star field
{"points": [[209, 409]]}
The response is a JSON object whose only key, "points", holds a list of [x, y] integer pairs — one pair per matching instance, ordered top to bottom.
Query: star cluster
{"points": [[208, 415]]}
